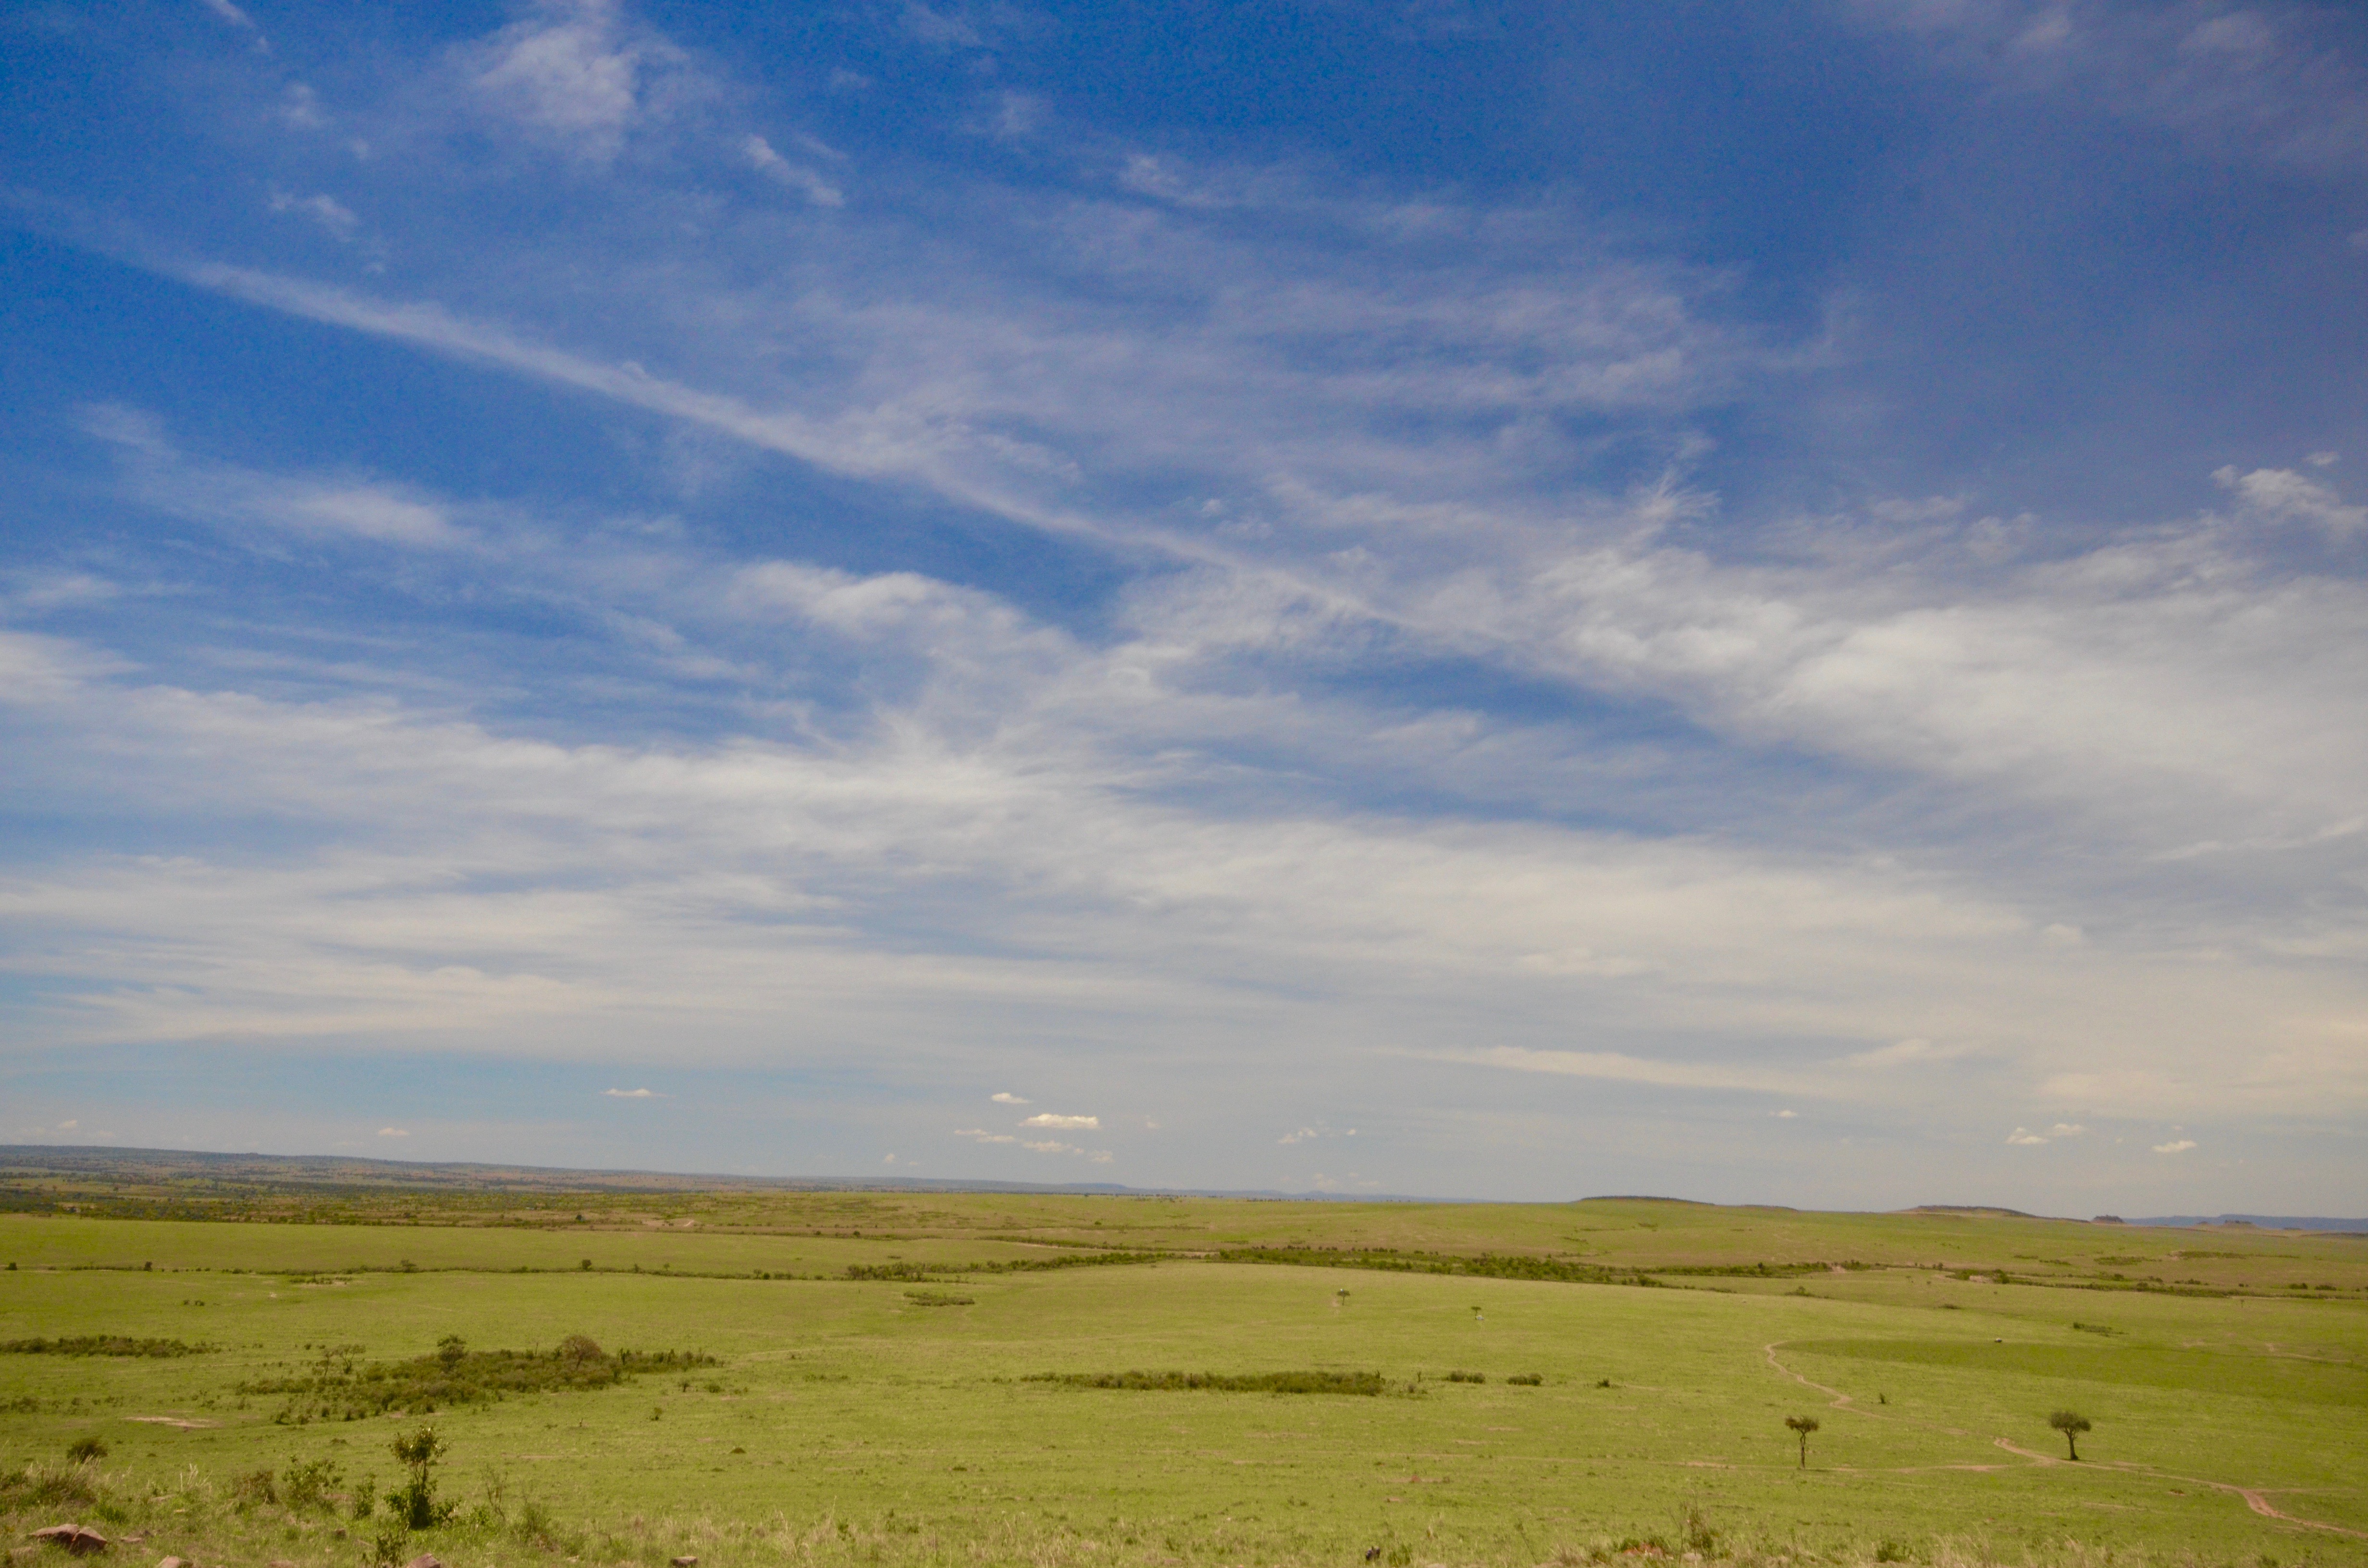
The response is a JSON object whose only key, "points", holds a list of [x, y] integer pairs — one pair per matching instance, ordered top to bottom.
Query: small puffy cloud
{"points": [[231, 14], [944, 29], [569, 73], [301, 107], [795, 177], [333, 217], [2325, 459], [2280, 495], [632, 1093], [1011, 1099], [1784, 1114], [1066, 1123], [2067, 1129], [394, 1132], [1305, 1134], [983, 1136], [2024, 1136], [2177, 1146], [1053, 1147]]}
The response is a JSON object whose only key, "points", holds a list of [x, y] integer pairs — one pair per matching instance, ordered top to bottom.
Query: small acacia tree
{"points": [[2071, 1422], [1804, 1425], [414, 1506]]}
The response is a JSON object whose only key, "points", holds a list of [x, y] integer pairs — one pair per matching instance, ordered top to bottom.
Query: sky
{"points": [[1758, 602]]}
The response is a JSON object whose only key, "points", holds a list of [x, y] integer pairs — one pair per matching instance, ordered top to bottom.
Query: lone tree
{"points": [[2071, 1422], [1804, 1425], [416, 1505]]}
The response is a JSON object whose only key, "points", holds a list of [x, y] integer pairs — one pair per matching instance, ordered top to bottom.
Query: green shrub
{"points": [[101, 1345], [1467, 1377], [1527, 1380], [338, 1387], [84, 1450], [311, 1485]]}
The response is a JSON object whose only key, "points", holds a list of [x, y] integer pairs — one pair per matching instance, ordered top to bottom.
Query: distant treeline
{"points": [[1516, 1265], [1485, 1266], [912, 1271], [101, 1345], [1224, 1382]]}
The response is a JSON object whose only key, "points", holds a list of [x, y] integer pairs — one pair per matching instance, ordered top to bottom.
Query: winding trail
{"points": [[2255, 1498]]}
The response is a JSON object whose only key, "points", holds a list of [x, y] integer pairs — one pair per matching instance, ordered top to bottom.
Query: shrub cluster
{"points": [[1009, 1266], [101, 1345], [340, 1388]]}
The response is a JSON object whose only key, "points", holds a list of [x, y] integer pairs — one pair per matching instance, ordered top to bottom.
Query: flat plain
{"points": [[909, 1377]]}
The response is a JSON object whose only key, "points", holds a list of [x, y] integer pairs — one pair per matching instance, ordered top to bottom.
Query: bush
{"points": [[101, 1345], [1467, 1377], [1527, 1380], [339, 1387], [82, 1450], [311, 1485], [254, 1486], [391, 1547]]}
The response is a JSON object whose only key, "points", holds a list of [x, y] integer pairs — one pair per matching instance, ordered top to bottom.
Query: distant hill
{"points": [[2260, 1221]]}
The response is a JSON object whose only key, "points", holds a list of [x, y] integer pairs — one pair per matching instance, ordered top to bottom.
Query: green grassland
{"points": [[913, 1419]]}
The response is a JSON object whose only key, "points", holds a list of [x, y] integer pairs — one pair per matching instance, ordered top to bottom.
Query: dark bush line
{"points": [[1485, 1266], [920, 1271], [102, 1345], [1367, 1383], [340, 1389]]}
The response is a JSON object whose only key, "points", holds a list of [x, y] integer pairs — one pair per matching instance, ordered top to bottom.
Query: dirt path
{"points": [[2254, 1497]]}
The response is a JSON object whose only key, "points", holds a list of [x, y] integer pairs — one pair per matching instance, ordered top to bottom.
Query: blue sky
{"points": [[1758, 602]]}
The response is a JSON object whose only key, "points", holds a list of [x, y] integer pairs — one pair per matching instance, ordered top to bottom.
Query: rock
{"points": [[74, 1538], [425, 1560], [175, 1563], [686, 1563]]}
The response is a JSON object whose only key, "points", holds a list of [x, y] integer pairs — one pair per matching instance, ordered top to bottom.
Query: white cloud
{"points": [[231, 14], [945, 30], [571, 74], [796, 177], [333, 217], [2280, 495], [243, 499], [1906, 1052], [632, 1093], [1010, 1099], [1784, 1114], [1064, 1123], [2067, 1129], [393, 1133], [2024, 1135], [983, 1136], [2178, 1146], [1054, 1148]]}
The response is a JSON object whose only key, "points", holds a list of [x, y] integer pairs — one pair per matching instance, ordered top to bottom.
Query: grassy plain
{"points": [[905, 1419]]}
